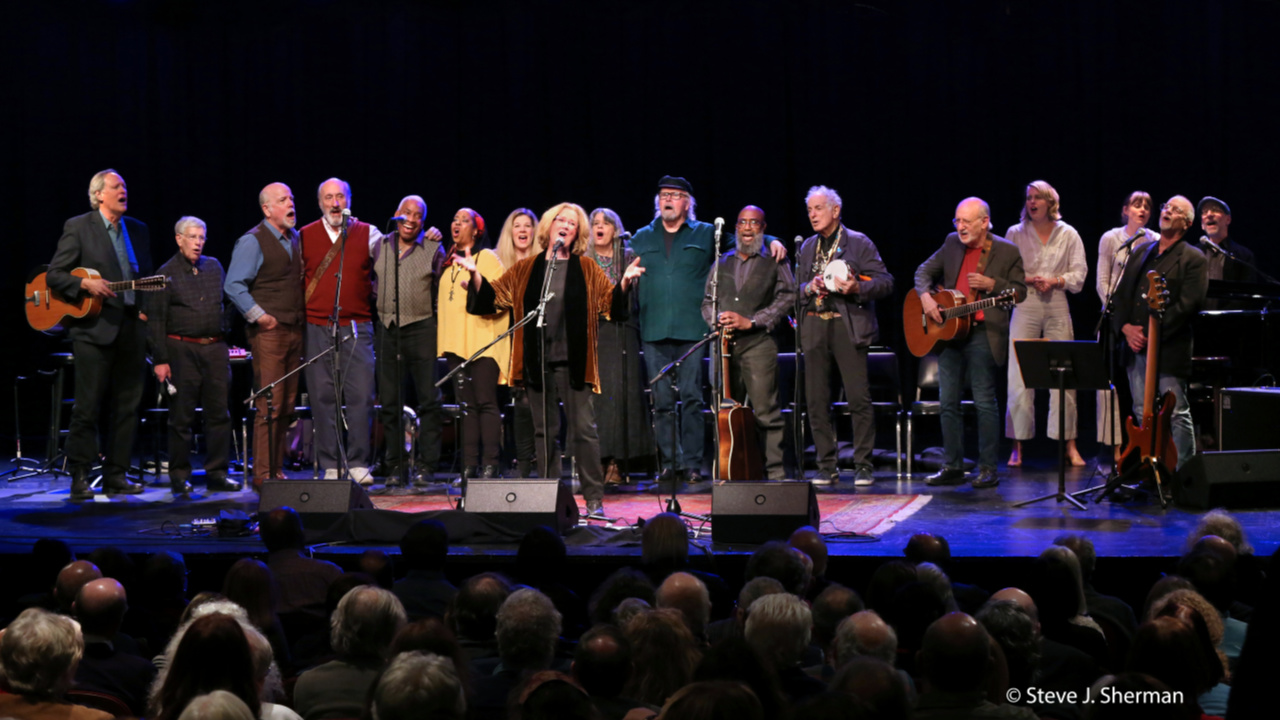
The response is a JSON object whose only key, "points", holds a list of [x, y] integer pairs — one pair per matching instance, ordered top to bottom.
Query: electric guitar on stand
{"points": [[50, 312], [924, 335], [740, 457]]}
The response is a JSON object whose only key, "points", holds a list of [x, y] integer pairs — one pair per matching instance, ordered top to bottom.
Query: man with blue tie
{"points": [[109, 349]]}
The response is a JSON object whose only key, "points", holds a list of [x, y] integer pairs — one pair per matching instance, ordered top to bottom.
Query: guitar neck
{"points": [[154, 282], [971, 308], [1153, 366]]}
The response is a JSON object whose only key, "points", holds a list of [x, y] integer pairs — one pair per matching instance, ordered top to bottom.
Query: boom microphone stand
{"points": [[269, 391], [340, 422], [673, 504]]}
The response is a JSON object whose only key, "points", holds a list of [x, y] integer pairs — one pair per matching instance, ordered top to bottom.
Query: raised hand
{"points": [[633, 273]]}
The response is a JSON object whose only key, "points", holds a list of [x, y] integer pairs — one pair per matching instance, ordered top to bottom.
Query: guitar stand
{"points": [[1117, 481]]}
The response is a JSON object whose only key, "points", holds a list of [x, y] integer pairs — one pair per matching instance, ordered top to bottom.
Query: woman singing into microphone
{"points": [[558, 363]]}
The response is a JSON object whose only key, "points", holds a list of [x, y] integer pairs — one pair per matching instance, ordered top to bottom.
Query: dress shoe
{"points": [[490, 471], [361, 474], [668, 476], [694, 476], [829, 476], [863, 476], [946, 476], [423, 478], [987, 478], [220, 483], [120, 486], [179, 486], [80, 489], [595, 507]]}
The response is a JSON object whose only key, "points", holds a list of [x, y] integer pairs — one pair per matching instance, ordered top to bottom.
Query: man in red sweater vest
{"points": [[324, 253]]}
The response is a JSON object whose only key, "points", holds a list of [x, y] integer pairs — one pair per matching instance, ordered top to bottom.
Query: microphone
{"points": [[346, 216], [398, 218], [719, 224], [1142, 232], [624, 237], [1204, 240], [559, 244]]}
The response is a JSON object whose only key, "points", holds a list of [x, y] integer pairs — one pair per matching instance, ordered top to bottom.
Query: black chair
{"points": [[926, 379]]}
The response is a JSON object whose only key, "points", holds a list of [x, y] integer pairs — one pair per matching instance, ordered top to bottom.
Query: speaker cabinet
{"points": [[1244, 418], [1237, 479], [321, 503], [521, 505], [757, 512]]}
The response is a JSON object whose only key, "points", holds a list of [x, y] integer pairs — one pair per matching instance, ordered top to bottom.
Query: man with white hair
{"points": [[337, 260], [1186, 274], [262, 282], [838, 323], [187, 335], [109, 348], [779, 627], [528, 628], [865, 633], [39, 652], [417, 685]]}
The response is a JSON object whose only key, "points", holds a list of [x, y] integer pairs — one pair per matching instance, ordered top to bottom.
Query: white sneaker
{"points": [[331, 474], [361, 475]]}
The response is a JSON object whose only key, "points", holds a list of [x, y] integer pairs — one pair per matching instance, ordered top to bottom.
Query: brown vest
{"points": [[277, 288]]}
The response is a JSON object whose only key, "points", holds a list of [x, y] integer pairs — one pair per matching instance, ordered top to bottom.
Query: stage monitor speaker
{"points": [[1245, 415], [1237, 479], [321, 503], [521, 505], [757, 512]]}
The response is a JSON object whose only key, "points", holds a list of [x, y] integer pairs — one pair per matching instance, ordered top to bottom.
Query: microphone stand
{"points": [[1232, 256], [543, 297], [622, 335], [399, 379], [269, 391], [338, 391], [716, 392], [797, 408], [673, 504]]}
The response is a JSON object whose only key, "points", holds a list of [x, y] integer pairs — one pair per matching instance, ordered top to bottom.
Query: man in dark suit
{"points": [[979, 264], [1186, 274], [110, 349]]}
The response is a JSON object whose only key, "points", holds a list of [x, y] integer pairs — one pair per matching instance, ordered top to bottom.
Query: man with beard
{"points": [[1215, 221], [327, 249], [677, 251], [979, 264], [1186, 273], [263, 282], [754, 293], [839, 324], [408, 328], [109, 349], [189, 349]]}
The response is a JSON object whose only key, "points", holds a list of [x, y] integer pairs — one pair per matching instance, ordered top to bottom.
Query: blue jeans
{"points": [[657, 355], [971, 364], [1184, 436]]}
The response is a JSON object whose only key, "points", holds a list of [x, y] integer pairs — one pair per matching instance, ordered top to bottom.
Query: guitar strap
{"points": [[983, 259], [324, 265]]}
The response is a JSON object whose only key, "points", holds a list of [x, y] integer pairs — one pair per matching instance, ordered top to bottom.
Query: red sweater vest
{"points": [[357, 276]]}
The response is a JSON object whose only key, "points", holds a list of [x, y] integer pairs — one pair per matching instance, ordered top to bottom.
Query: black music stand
{"points": [[1061, 365]]}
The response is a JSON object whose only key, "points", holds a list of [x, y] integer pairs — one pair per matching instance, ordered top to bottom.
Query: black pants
{"points": [[822, 342], [417, 365], [202, 374], [110, 375], [477, 391], [522, 426], [581, 438]]}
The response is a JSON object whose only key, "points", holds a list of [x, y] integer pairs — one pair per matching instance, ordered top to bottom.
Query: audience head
{"points": [[1220, 523], [281, 529], [810, 542], [664, 543], [425, 546], [927, 547], [1084, 550], [541, 555], [781, 562], [115, 564], [378, 566], [1212, 576], [164, 577], [932, 577], [70, 580], [623, 583], [885, 583], [1055, 583], [250, 584], [1165, 585], [340, 586], [751, 591], [686, 593], [1023, 601], [835, 603], [100, 607], [1191, 607], [628, 609], [912, 611], [473, 613], [364, 624], [528, 627], [779, 628], [865, 634], [431, 635], [1018, 636], [1172, 651], [39, 653], [213, 654], [955, 654], [664, 655], [602, 662], [265, 671], [876, 683], [418, 685], [552, 695], [713, 700], [216, 705]]}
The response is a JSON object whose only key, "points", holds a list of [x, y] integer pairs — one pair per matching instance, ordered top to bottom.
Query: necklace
{"points": [[454, 271]]}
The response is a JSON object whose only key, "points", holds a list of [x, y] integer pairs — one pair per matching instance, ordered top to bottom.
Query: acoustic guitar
{"points": [[50, 312], [924, 334], [739, 435], [1150, 449]]}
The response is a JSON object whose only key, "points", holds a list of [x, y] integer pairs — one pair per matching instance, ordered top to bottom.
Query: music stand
{"points": [[1061, 365]]}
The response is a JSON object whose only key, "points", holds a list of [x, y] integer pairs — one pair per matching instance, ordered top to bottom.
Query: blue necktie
{"points": [[124, 256]]}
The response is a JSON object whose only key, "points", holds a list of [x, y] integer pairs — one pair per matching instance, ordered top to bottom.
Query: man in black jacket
{"points": [[1215, 221], [1186, 274], [109, 349]]}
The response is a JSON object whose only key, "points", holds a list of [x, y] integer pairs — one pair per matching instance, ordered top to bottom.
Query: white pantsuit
{"points": [[1043, 315]]}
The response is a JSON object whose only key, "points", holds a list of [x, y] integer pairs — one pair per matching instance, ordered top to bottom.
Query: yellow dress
{"points": [[462, 333]]}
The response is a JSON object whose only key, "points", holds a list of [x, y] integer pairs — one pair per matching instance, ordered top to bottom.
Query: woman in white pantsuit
{"points": [[1114, 250], [1053, 256]]}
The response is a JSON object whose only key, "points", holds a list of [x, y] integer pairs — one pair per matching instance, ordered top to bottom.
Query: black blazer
{"points": [[85, 243], [1005, 267], [1187, 273], [858, 311]]}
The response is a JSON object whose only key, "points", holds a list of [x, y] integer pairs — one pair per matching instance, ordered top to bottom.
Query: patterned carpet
{"points": [[863, 514]]}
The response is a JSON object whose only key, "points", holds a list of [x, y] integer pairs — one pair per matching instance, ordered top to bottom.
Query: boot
{"points": [[524, 469], [121, 486], [179, 486], [80, 489]]}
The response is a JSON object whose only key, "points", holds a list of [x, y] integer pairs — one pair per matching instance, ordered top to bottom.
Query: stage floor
{"points": [[978, 523]]}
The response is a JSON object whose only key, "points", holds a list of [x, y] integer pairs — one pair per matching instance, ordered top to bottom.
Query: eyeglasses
{"points": [[672, 196], [750, 222], [967, 223]]}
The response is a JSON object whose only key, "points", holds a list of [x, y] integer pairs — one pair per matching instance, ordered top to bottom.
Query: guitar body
{"points": [[49, 312], [923, 334], [1155, 433], [740, 457]]}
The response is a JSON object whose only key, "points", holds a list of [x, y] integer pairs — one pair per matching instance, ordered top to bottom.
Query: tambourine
{"points": [[836, 271]]}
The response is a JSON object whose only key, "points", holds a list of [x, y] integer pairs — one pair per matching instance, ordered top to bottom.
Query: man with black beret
{"points": [[1215, 221]]}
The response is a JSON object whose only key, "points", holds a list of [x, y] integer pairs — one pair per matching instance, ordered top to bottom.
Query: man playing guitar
{"points": [[979, 264]]}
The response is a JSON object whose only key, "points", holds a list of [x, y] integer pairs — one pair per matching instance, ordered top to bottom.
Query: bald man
{"points": [[979, 264], [1186, 273], [263, 282], [754, 294], [70, 579], [686, 593], [955, 660], [108, 666]]}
